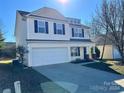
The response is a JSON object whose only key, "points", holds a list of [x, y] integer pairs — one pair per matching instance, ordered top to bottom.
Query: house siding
{"points": [[21, 34], [27, 35], [50, 35], [57, 44], [107, 52], [110, 52]]}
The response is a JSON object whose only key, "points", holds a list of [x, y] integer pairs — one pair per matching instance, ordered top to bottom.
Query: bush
{"points": [[21, 51], [97, 52], [78, 60]]}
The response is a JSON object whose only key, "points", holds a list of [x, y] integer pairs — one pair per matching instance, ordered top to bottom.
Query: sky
{"points": [[82, 9]]}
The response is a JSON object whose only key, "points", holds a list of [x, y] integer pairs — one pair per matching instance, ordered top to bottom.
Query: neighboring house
{"points": [[51, 37], [110, 51]]}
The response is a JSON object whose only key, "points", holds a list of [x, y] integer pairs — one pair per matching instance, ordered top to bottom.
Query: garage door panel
{"points": [[46, 56]]}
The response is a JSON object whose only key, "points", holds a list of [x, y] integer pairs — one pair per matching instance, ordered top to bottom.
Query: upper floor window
{"points": [[40, 26], [59, 29], [77, 32]]}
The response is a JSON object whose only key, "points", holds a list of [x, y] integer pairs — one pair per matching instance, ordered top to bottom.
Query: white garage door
{"points": [[46, 56]]}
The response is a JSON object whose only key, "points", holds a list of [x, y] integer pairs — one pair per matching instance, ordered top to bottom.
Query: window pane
{"points": [[41, 24], [59, 26], [41, 27], [59, 29], [41, 30], [78, 32], [75, 51]]}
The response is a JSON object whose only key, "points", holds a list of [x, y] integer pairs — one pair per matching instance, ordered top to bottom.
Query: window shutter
{"points": [[46, 25], [36, 26], [54, 28], [63, 29], [72, 32], [82, 32], [85, 50], [78, 51]]}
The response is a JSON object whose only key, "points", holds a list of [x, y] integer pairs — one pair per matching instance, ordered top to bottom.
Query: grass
{"points": [[5, 61], [108, 66], [116, 67], [30, 79]]}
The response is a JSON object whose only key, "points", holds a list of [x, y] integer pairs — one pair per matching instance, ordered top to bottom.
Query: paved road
{"points": [[86, 79]]}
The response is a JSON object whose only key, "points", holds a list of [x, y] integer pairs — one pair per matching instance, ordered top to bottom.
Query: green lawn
{"points": [[7, 61], [108, 66], [115, 67]]}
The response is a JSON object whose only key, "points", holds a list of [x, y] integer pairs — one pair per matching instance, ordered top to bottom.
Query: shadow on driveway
{"points": [[101, 66], [88, 80]]}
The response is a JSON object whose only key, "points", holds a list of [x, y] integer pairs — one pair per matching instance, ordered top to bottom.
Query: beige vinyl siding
{"points": [[108, 51]]}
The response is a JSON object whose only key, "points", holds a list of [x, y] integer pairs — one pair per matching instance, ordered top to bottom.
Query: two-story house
{"points": [[51, 38]]}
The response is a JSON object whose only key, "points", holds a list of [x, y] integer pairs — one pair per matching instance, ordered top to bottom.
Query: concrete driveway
{"points": [[86, 80]]}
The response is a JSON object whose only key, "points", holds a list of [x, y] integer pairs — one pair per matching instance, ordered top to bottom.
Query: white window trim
{"points": [[78, 32]]}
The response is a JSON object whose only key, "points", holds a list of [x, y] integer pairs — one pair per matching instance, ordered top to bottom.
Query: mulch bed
{"points": [[78, 61], [30, 79]]}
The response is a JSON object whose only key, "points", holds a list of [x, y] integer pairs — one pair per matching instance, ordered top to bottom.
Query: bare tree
{"points": [[111, 19], [97, 30]]}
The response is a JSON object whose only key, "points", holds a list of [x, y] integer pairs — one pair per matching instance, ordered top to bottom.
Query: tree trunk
{"points": [[104, 43], [103, 50], [122, 57], [122, 60]]}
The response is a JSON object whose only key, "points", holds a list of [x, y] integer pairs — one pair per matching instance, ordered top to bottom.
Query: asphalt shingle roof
{"points": [[23, 13]]}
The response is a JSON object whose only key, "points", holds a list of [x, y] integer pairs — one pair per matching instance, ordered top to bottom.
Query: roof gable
{"points": [[48, 12], [100, 40]]}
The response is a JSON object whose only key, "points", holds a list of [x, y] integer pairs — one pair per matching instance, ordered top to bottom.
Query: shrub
{"points": [[21, 51], [97, 52]]}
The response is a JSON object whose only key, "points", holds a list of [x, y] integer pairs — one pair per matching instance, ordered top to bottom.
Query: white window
{"points": [[41, 27], [59, 29], [77, 32], [75, 51]]}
